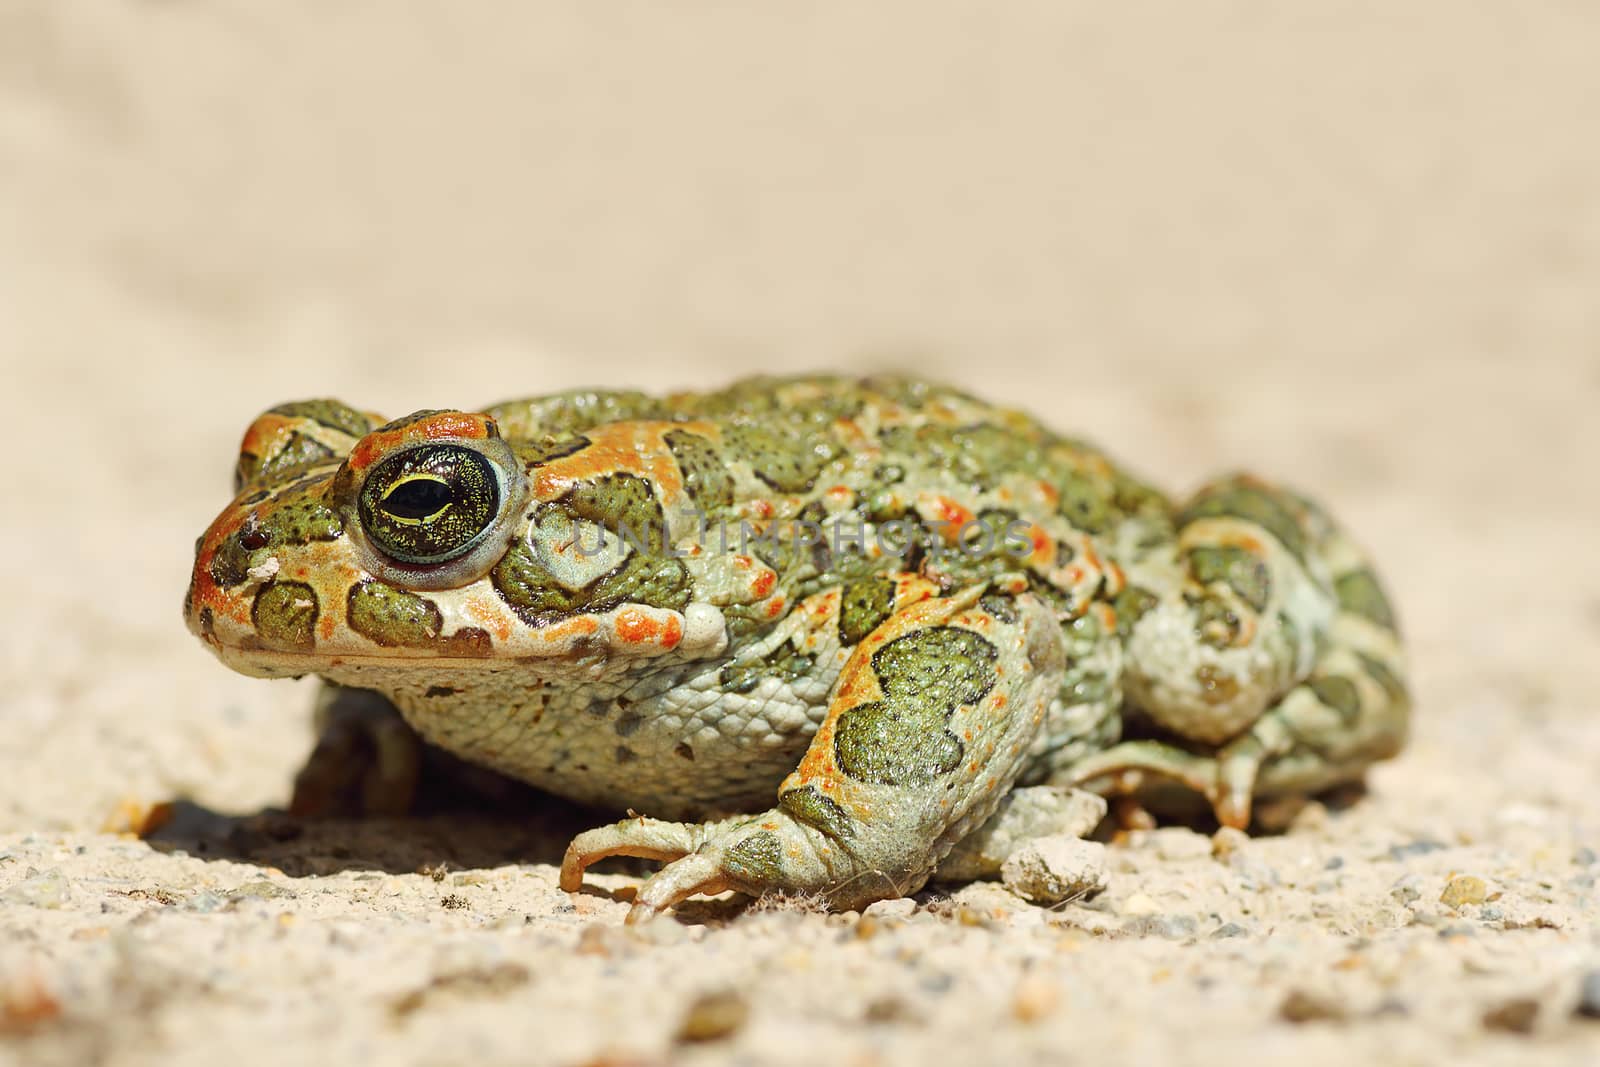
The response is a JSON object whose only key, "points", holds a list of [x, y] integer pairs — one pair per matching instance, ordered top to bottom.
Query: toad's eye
{"points": [[430, 504]]}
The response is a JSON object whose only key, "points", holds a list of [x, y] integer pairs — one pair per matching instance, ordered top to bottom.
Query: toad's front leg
{"points": [[928, 727]]}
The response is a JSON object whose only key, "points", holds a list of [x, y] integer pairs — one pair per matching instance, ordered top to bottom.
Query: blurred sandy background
{"points": [[1353, 245]]}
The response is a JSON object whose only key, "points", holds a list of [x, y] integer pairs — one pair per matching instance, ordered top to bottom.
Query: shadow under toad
{"points": [[431, 841]]}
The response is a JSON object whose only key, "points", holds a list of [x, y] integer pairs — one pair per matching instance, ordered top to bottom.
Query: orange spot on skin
{"points": [[448, 424], [637, 448], [936, 507], [1043, 545], [762, 584], [775, 608], [488, 616], [582, 626], [325, 627], [635, 627], [1000, 701]]}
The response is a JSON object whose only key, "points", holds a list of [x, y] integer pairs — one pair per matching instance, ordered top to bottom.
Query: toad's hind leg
{"points": [[1273, 664], [928, 726]]}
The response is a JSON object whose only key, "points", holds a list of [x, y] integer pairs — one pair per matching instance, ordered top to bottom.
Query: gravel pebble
{"points": [[1054, 869], [41, 889], [1463, 890], [1301, 1006], [713, 1016], [1515, 1016]]}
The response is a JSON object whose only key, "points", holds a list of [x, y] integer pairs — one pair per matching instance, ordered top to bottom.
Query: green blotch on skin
{"points": [[334, 414], [544, 450], [297, 452], [976, 455], [787, 465], [705, 474], [623, 503], [1083, 504], [1270, 509], [297, 520], [1242, 571], [524, 584], [1361, 594], [1131, 605], [864, 606], [1003, 608], [285, 615], [393, 617], [1216, 622], [784, 663], [925, 676], [1388, 679], [1338, 693], [809, 806], [756, 860]]}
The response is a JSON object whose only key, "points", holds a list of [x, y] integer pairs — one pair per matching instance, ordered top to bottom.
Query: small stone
{"points": [[1226, 841], [1177, 843], [1585, 857], [1334, 863], [1054, 869], [46, 889], [260, 889], [1464, 889], [1405, 890], [204, 902], [1140, 904], [898, 908], [1171, 927], [1229, 930], [1589, 996], [1034, 999], [1301, 1006], [890, 1009], [713, 1016], [1515, 1016]]}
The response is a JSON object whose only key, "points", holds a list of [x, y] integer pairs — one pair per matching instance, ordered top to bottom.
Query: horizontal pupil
{"points": [[417, 499]]}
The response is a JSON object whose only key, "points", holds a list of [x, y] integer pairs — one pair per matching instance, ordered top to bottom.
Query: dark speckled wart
{"points": [[705, 472], [1240, 499], [288, 522], [1243, 572], [864, 605], [285, 616], [393, 617]]}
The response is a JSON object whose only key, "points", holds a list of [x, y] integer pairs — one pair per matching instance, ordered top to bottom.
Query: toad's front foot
{"points": [[771, 853]]}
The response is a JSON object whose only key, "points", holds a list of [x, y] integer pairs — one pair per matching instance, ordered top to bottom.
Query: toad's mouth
{"points": [[578, 643]]}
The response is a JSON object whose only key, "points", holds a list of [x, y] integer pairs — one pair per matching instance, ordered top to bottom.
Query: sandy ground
{"points": [[1353, 245]]}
